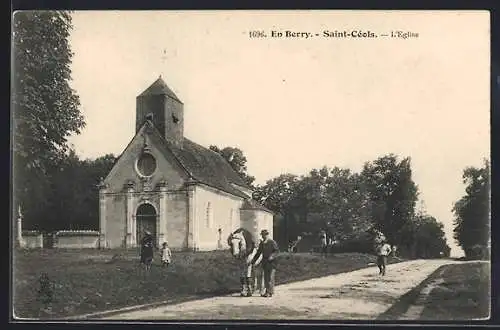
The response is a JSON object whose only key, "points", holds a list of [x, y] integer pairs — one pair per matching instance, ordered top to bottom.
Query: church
{"points": [[183, 193]]}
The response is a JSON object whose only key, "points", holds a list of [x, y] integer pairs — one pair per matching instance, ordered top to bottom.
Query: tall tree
{"points": [[45, 108], [237, 160], [277, 194], [393, 194], [333, 199], [472, 211], [424, 238]]}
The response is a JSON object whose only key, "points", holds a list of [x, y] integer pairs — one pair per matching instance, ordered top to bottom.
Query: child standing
{"points": [[166, 255]]}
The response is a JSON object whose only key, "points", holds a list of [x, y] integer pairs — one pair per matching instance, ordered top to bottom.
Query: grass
{"points": [[89, 281], [461, 292], [464, 294]]}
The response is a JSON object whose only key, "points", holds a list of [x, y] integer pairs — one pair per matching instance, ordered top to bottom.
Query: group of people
{"points": [[147, 247], [381, 247], [265, 258]]}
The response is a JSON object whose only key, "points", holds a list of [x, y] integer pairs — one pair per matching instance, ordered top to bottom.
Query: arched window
{"points": [[209, 215]]}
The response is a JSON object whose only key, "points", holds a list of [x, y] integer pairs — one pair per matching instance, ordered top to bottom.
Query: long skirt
{"points": [[147, 255]]}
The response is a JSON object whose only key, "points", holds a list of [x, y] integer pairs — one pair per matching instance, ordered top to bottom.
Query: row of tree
{"points": [[347, 205]]}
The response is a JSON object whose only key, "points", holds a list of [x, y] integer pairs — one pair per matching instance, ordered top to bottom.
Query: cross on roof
{"points": [[163, 58]]}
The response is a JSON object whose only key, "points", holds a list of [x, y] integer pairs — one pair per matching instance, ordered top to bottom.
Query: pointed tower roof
{"points": [[159, 87]]}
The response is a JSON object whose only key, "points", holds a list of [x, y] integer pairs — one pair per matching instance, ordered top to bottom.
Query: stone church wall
{"points": [[215, 210], [177, 219], [115, 220], [256, 220]]}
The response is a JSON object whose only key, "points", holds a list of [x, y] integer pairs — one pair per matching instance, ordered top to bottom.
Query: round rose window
{"points": [[146, 164]]}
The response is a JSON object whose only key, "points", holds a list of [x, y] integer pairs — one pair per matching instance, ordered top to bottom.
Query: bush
{"points": [[477, 252]]}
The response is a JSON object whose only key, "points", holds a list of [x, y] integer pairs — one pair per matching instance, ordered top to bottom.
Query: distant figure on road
{"points": [[147, 245], [269, 251], [383, 251], [166, 255]]}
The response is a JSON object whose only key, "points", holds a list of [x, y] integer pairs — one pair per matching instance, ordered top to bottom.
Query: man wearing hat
{"points": [[269, 251]]}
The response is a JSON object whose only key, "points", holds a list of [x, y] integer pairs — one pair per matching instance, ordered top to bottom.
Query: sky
{"points": [[294, 104]]}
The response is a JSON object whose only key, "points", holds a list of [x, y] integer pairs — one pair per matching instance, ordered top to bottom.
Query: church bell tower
{"points": [[162, 107]]}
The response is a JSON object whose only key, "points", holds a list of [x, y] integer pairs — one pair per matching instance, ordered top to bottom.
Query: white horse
{"points": [[243, 248]]}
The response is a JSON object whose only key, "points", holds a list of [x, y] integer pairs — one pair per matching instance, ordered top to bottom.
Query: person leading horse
{"points": [[243, 248]]}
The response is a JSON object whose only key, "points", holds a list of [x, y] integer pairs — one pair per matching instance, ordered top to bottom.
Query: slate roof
{"points": [[159, 87], [208, 167]]}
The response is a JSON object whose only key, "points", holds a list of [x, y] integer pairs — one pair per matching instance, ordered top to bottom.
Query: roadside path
{"points": [[361, 294]]}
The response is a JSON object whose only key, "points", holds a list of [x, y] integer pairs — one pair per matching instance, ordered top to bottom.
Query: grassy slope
{"points": [[92, 281], [464, 295]]}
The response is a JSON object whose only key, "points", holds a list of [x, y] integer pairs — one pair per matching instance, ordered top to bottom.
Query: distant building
{"points": [[180, 191]]}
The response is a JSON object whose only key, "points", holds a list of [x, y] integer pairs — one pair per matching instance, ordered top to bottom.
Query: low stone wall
{"points": [[76, 239], [32, 240]]}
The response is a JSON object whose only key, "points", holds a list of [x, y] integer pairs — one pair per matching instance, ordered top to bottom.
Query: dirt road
{"points": [[361, 294]]}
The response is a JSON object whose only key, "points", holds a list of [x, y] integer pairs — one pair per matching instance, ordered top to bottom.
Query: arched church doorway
{"points": [[145, 220]]}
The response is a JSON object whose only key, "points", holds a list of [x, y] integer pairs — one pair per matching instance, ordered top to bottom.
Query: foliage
{"points": [[45, 108], [237, 160], [277, 193], [393, 194], [76, 196], [347, 205], [472, 211], [429, 238]]}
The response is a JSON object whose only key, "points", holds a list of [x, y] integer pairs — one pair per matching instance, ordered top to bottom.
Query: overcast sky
{"points": [[296, 104]]}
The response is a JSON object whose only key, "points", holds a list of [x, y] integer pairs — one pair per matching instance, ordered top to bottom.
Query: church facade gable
{"points": [[144, 154], [145, 191]]}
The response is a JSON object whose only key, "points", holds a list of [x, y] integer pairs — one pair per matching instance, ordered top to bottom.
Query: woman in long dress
{"points": [[147, 246]]}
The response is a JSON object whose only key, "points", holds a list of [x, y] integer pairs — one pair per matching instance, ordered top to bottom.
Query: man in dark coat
{"points": [[269, 251]]}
